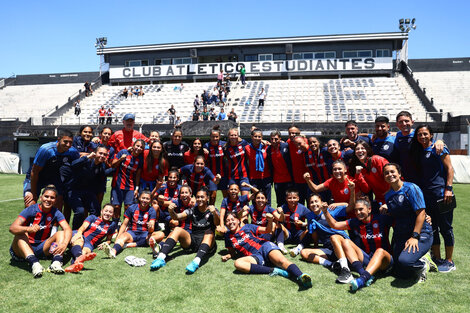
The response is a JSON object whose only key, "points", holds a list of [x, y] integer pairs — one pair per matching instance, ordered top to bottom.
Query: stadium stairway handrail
{"points": [[7, 81], [428, 105], [53, 115]]}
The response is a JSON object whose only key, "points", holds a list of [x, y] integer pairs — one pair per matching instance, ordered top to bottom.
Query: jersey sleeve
{"points": [[444, 151], [42, 156], [327, 183], [415, 195], [223, 205], [339, 212], [26, 213], [128, 214], [152, 214], [59, 216], [90, 219], [352, 223], [112, 228], [228, 243]]}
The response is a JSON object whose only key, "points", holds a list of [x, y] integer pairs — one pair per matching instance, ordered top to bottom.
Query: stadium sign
{"points": [[263, 67]]}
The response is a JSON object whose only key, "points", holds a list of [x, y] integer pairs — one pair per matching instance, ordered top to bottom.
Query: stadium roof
{"points": [[398, 36]]}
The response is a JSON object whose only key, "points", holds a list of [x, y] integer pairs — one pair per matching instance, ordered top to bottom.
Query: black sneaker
{"points": [[344, 276]]}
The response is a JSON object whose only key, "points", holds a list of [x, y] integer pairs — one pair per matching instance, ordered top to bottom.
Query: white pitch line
{"points": [[10, 200]]}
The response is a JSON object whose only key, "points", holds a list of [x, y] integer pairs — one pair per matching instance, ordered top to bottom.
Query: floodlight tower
{"points": [[406, 25], [101, 42]]}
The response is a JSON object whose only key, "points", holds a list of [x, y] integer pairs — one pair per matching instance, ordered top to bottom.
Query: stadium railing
{"points": [[408, 74], [54, 115]]}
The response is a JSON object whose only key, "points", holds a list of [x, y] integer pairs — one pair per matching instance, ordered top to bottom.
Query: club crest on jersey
{"points": [[134, 139], [409, 139], [385, 147], [428, 154], [65, 159], [373, 170], [346, 191], [401, 198], [146, 215], [49, 218], [375, 225]]}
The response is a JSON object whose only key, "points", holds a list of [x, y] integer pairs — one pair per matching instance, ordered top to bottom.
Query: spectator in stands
{"points": [[242, 74], [220, 78], [88, 90], [136, 91], [141, 91], [124, 93], [215, 96], [262, 97], [205, 98], [196, 103], [76, 105], [172, 113], [109, 114], [205, 114], [212, 114], [101, 115], [196, 115], [221, 115], [232, 116], [178, 122], [352, 136], [124, 138], [383, 142]]}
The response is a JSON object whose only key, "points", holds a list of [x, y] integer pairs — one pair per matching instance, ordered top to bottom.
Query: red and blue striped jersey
{"points": [[251, 157], [215, 159], [237, 163], [316, 165], [125, 175], [197, 180], [169, 193], [235, 206], [300, 213], [33, 215], [259, 217], [138, 219], [186, 224], [98, 229], [374, 234], [246, 240]]}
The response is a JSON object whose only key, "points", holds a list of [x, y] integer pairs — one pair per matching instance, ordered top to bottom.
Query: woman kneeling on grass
{"points": [[138, 226], [89, 236], [199, 238], [33, 239], [259, 256]]}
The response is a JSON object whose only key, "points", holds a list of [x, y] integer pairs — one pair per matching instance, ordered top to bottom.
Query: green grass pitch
{"points": [[107, 285]]}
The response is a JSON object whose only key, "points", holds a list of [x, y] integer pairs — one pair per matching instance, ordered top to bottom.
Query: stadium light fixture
{"points": [[406, 25], [101, 42]]}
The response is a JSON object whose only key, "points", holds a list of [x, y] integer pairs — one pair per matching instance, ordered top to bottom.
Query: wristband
{"points": [[415, 235]]}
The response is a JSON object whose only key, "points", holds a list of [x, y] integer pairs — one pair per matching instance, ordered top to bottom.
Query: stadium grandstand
{"points": [[318, 81]]}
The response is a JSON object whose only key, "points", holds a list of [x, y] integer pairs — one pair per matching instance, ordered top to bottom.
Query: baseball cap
{"points": [[128, 116]]}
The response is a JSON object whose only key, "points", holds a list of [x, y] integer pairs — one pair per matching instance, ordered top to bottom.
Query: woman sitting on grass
{"points": [[138, 226], [32, 230], [89, 236], [199, 238], [258, 255]]}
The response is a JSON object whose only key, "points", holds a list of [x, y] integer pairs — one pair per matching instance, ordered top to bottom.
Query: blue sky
{"points": [[58, 36]]}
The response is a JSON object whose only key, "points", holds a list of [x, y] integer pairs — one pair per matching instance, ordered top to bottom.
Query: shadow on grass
{"points": [[21, 265], [403, 283]]}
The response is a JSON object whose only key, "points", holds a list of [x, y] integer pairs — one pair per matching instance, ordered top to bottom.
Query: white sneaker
{"points": [[109, 251], [294, 252], [56, 268], [37, 270], [423, 273]]}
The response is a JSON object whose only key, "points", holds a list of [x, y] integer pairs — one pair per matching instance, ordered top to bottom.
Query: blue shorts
{"points": [[239, 182], [147, 184], [223, 184], [26, 186], [118, 196], [78, 200], [294, 236], [139, 237], [86, 243], [38, 250], [368, 256], [262, 257]]}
